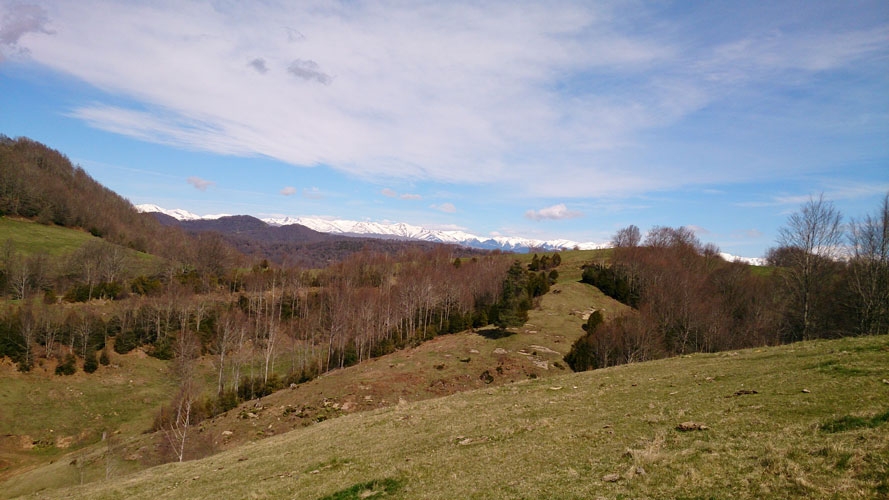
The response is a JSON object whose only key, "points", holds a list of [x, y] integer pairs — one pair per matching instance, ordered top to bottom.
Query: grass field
{"points": [[30, 237], [45, 419], [801, 420]]}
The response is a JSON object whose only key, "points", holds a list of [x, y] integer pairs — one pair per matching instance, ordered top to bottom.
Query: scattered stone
{"points": [[545, 349], [501, 350], [473, 351], [886, 381], [556, 388], [806, 391], [250, 414], [691, 426], [227, 433], [468, 441], [640, 471], [611, 478]]}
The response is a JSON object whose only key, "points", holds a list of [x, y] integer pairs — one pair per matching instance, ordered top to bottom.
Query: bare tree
{"points": [[814, 234], [627, 237], [869, 269], [177, 422]]}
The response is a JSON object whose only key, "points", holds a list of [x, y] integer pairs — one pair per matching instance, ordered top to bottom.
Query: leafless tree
{"points": [[814, 234], [627, 237], [869, 269]]}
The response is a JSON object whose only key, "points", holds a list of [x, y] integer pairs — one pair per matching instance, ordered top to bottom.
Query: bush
{"points": [[125, 342], [104, 360], [90, 364], [68, 366]]}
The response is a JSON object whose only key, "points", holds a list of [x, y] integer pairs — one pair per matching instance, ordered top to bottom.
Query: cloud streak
{"points": [[457, 92]]}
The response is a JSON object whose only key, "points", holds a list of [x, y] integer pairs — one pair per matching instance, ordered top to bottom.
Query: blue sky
{"points": [[536, 119]]}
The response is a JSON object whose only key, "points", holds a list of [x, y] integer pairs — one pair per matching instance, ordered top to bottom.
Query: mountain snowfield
{"points": [[400, 230]]}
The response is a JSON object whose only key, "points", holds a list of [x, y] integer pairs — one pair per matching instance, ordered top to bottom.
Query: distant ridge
{"points": [[399, 231]]}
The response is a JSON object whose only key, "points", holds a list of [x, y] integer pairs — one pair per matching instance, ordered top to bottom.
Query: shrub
{"points": [[90, 364], [68, 366]]}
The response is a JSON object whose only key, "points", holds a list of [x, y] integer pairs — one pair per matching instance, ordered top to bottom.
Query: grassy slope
{"points": [[30, 237], [431, 370], [44, 418], [562, 437]]}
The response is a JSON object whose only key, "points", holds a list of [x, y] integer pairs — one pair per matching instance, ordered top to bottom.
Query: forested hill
{"points": [[40, 183]]}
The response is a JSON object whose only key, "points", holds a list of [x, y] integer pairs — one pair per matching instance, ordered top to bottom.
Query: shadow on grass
{"points": [[494, 333], [848, 423], [378, 488]]}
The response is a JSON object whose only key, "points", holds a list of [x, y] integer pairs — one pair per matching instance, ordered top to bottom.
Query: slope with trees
{"points": [[688, 299]]}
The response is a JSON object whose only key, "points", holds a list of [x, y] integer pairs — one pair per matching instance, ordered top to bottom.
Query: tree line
{"points": [[826, 278]]}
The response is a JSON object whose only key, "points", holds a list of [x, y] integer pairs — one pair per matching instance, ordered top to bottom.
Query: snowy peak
{"points": [[177, 213], [397, 230], [401, 230], [752, 261]]}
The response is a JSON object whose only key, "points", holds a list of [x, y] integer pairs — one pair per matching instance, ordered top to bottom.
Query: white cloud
{"points": [[388, 90], [200, 184], [288, 191], [389, 193], [409, 196], [447, 208], [555, 212]]}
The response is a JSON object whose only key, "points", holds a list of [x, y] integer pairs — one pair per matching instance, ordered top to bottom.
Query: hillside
{"points": [[40, 183], [30, 238], [292, 244], [445, 365], [801, 420]]}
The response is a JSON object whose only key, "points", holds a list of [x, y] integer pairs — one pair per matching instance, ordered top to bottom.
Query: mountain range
{"points": [[398, 231], [408, 232]]}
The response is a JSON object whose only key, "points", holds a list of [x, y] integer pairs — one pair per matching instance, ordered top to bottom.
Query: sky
{"points": [[536, 119]]}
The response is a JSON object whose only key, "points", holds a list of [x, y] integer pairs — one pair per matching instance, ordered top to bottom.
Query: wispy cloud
{"points": [[588, 90], [200, 184], [836, 190], [288, 191], [313, 193], [391, 193], [447, 208], [555, 212], [698, 230]]}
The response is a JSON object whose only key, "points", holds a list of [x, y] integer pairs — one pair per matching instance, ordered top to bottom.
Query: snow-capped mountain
{"points": [[178, 213], [398, 230], [404, 231], [753, 261]]}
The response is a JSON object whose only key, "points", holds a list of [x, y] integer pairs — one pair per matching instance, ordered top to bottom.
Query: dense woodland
{"points": [[825, 279]]}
